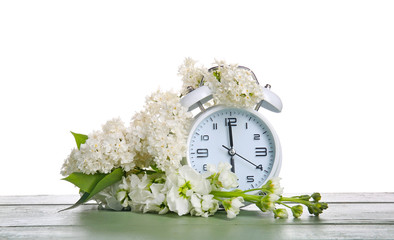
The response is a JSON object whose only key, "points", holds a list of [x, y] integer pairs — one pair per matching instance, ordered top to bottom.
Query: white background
{"points": [[73, 65]]}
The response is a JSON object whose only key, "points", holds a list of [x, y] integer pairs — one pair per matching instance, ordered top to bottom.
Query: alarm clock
{"points": [[242, 137]]}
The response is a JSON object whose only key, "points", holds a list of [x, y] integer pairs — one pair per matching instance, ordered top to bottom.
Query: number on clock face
{"points": [[252, 150]]}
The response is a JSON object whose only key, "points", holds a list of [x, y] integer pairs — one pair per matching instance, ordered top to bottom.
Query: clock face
{"points": [[240, 137]]}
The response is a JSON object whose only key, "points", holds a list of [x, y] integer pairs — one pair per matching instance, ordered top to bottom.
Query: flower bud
{"points": [[273, 186], [316, 196], [267, 202], [324, 205], [232, 206], [317, 208], [311, 209], [297, 211], [280, 213]]}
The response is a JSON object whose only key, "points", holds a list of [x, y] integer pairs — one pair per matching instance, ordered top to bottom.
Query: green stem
{"points": [[263, 189], [252, 190], [246, 197], [217, 198], [297, 200], [279, 202]]}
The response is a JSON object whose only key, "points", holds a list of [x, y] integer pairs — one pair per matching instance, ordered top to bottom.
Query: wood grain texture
{"points": [[349, 216]]}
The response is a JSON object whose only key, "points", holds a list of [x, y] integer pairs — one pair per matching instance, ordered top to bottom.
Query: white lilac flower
{"points": [[191, 75], [229, 84], [234, 86], [158, 134], [136, 136], [102, 152], [70, 164], [203, 205], [232, 206]]}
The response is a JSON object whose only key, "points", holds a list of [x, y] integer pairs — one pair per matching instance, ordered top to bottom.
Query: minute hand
{"points": [[230, 133], [240, 156]]}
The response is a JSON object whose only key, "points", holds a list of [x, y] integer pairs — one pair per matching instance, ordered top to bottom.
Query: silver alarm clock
{"points": [[240, 136]]}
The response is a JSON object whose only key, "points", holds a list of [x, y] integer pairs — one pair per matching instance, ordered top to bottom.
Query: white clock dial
{"points": [[240, 137]]}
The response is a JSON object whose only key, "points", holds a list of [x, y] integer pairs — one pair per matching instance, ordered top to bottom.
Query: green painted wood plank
{"points": [[328, 197], [376, 197], [38, 199], [41, 215], [350, 216], [148, 232]]}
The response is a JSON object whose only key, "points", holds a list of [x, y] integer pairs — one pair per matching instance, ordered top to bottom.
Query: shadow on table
{"points": [[247, 225]]}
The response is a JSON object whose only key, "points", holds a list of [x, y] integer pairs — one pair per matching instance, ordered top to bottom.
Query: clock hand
{"points": [[230, 133], [229, 149], [232, 164]]}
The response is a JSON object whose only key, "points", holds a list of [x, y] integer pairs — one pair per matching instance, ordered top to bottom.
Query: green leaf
{"points": [[79, 138], [114, 177], [84, 181], [92, 184], [79, 202]]}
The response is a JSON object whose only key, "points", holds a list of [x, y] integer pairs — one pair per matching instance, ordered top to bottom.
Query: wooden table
{"points": [[350, 216]]}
